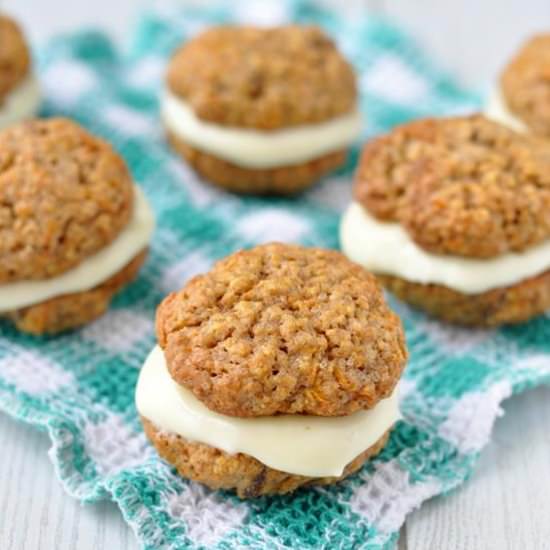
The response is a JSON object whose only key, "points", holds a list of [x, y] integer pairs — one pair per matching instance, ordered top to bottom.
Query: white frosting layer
{"points": [[21, 103], [498, 111], [259, 149], [387, 248], [93, 270], [303, 445]]}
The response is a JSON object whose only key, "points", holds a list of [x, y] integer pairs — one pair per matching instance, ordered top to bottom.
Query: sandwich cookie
{"points": [[19, 90], [522, 99], [261, 110], [452, 215], [74, 228], [276, 369]]}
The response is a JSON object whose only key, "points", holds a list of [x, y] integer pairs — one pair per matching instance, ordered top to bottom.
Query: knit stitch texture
{"points": [[80, 386]]}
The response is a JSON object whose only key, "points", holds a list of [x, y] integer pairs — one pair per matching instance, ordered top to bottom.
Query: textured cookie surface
{"points": [[14, 56], [263, 78], [525, 84], [284, 180], [465, 186], [64, 195], [513, 304], [73, 310], [283, 329], [239, 472]]}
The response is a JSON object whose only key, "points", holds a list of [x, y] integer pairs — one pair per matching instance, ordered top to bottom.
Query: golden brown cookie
{"points": [[14, 56], [264, 79], [525, 84], [285, 180], [464, 186], [64, 195], [513, 304], [74, 310], [278, 329], [283, 329], [242, 473]]}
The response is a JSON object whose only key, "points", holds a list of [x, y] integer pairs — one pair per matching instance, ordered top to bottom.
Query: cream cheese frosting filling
{"points": [[21, 103], [497, 110], [258, 149], [386, 248], [92, 271], [297, 444]]}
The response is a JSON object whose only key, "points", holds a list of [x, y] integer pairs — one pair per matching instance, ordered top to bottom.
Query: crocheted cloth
{"points": [[80, 386]]}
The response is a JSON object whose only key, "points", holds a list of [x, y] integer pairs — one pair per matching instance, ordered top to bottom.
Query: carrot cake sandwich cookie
{"points": [[19, 90], [522, 99], [261, 110], [453, 216], [74, 229], [276, 369]]}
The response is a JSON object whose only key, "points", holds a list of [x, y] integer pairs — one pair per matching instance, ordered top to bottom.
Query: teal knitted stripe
{"points": [[79, 386]]}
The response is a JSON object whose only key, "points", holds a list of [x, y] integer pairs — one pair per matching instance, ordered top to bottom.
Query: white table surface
{"points": [[506, 504]]}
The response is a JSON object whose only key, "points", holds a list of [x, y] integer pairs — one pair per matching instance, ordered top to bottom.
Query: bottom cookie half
{"points": [[284, 180], [513, 304], [73, 310], [245, 475]]}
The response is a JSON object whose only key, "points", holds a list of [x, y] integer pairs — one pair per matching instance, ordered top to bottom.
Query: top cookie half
{"points": [[14, 56], [263, 78], [525, 84], [463, 186], [64, 195], [283, 329]]}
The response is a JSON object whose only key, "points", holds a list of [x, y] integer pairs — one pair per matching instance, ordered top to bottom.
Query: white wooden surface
{"points": [[471, 38], [505, 505], [35, 512]]}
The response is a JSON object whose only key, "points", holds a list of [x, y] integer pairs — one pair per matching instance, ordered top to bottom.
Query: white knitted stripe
{"points": [[119, 330], [33, 373], [471, 418], [114, 446], [388, 495], [208, 516]]}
